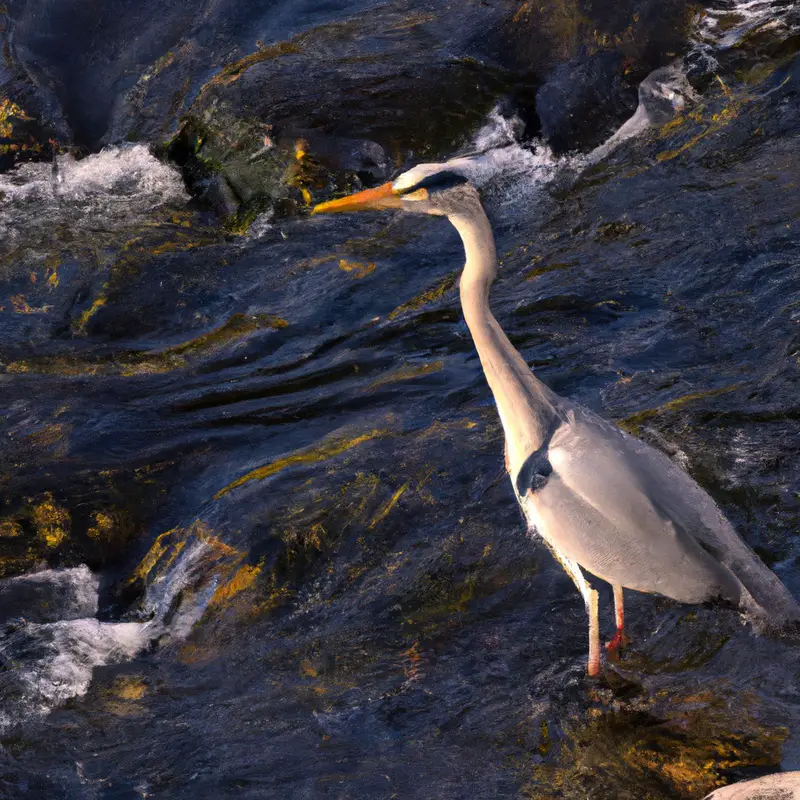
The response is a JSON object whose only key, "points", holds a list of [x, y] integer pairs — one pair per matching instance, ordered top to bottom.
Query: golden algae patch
{"points": [[232, 72], [10, 111], [711, 123], [356, 269], [537, 271], [429, 296], [21, 306], [83, 319], [236, 327], [154, 362], [407, 373], [633, 423], [52, 437], [325, 449], [387, 507], [51, 520], [102, 528], [10, 529], [170, 540], [169, 545], [244, 578], [130, 687], [123, 696], [659, 748]]}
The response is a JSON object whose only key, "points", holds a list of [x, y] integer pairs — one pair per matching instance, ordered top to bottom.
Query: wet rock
{"points": [[592, 58], [582, 102], [49, 596], [45, 665]]}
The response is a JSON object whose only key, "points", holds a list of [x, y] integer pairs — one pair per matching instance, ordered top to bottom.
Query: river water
{"points": [[257, 538]]}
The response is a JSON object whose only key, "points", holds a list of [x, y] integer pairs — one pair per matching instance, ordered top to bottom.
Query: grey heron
{"points": [[604, 502]]}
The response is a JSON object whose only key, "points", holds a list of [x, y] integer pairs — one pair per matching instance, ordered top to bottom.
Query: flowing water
{"points": [[261, 538]]}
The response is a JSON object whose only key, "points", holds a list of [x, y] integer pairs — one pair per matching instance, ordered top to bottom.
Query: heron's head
{"points": [[435, 189]]}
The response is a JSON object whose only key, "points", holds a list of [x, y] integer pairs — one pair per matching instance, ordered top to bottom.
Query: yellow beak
{"points": [[383, 196]]}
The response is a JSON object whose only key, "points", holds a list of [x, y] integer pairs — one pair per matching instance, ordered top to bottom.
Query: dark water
{"points": [[277, 454]]}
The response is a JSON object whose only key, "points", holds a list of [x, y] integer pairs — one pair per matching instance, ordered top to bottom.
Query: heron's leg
{"points": [[590, 599], [620, 639], [593, 667]]}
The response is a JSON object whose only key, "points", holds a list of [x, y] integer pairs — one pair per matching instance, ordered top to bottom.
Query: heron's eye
{"points": [[418, 194]]}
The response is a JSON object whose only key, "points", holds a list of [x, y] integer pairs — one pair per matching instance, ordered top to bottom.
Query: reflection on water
{"points": [[267, 476]]}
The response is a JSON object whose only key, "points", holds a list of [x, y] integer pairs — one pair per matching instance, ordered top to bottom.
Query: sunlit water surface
{"points": [[279, 456]]}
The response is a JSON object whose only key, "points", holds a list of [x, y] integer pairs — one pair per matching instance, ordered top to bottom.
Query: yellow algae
{"points": [[562, 20], [232, 72], [8, 111], [716, 122], [316, 261], [357, 269], [537, 271], [429, 296], [21, 306], [84, 318], [237, 326], [153, 362], [152, 366], [406, 373], [633, 423], [52, 436], [322, 451], [387, 507], [51, 521], [103, 526], [10, 529], [204, 534], [157, 549], [242, 579], [192, 653], [308, 670], [130, 688], [123, 695], [667, 748]]}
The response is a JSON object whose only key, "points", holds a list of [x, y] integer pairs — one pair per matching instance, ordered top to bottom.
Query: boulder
{"points": [[583, 102]]}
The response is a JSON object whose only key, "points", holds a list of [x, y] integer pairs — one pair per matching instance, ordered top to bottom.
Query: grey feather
{"points": [[627, 514]]}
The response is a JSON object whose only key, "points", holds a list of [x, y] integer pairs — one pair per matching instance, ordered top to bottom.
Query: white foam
{"points": [[110, 189], [165, 598], [54, 662]]}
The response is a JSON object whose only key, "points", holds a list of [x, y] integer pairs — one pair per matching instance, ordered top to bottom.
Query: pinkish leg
{"points": [[620, 639], [593, 667]]}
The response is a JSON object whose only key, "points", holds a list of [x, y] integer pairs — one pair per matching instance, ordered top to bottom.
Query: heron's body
{"points": [[605, 503]]}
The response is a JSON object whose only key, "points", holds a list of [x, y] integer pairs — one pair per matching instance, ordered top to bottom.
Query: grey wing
{"points": [[626, 513]]}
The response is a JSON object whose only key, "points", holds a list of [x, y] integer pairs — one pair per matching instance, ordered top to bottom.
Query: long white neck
{"points": [[525, 404]]}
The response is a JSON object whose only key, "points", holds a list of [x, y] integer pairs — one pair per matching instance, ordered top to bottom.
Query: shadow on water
{"points": [[276, 453]]}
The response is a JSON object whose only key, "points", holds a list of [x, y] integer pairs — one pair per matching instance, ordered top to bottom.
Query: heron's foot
{"points": [[620, 640]]}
